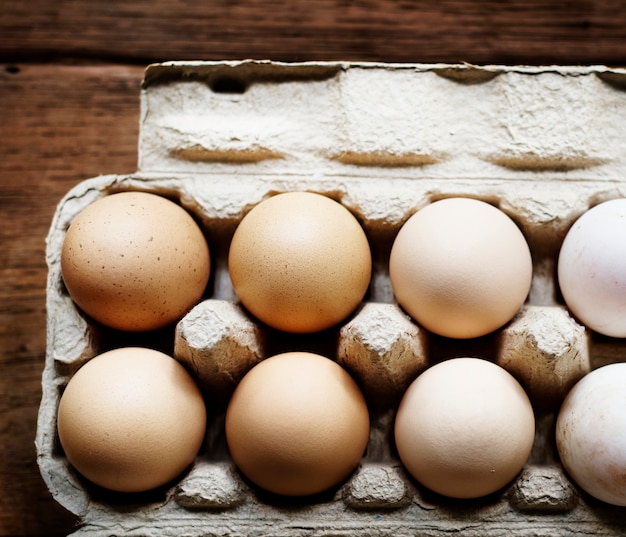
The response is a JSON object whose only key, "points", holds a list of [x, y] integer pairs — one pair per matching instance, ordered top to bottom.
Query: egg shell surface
{"points": [[135, 261], [300, 262], [460, 267], [592, 268], [131, 419], [297, 424], [464, 428], [591, 433]]}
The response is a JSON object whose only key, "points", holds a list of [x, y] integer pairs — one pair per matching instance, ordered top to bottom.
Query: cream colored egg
{"points": [[135, 261], [300, 262], [460, 267], [592, 268], [131, 419], [297, 424], [464, 428], [591, 433]]}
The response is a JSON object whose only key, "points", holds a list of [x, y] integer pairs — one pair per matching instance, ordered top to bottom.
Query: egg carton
{"points": [[541, 143]]}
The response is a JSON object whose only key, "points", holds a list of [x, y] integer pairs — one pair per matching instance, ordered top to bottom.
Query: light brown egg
{"points": [[135, 261], [300, 262], [460, 267], [131, 419], [297, 424], [464, 428]]}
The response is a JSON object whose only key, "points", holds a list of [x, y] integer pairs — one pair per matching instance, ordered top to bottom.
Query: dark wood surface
{"points": [[513, 31], [70, 73]]}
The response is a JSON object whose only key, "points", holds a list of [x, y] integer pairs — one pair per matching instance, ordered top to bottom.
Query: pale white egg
{"points": [[460, 267], [592, 268], [464, 428], [591, 433]]}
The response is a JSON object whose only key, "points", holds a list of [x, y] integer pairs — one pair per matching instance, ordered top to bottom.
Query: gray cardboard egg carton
{"points": [[543, 144]]}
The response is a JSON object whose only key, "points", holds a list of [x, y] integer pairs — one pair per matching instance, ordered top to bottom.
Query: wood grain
{"points": [[493, 31], [59, 125]]}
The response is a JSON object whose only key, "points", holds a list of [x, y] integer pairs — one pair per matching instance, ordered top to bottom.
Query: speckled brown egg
{"points": [[135, 261], [300, 262], [131, 419], [297, 424]]}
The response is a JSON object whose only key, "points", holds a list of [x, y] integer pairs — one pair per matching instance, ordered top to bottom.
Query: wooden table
{"points": [[70, 75]]}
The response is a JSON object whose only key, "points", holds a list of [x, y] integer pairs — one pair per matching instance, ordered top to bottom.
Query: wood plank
{"points": [[492, 31], [59, 125]]}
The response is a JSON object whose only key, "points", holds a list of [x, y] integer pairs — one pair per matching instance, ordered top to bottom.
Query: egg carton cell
{"points": [[542, 144]]}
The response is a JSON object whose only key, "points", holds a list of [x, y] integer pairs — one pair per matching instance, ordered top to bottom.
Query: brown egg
{"points": [[135, 261], [300, 262], [460, 267], [131, 419], [297, 424], [464, 428]]}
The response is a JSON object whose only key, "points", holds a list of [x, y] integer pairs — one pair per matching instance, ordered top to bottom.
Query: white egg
{"points": [[460, 267], [592, 268], [464, 428], [591, 433]]}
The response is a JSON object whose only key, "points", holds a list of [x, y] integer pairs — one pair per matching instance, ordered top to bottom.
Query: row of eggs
{"points": [[301, 263], [132, 419]]}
